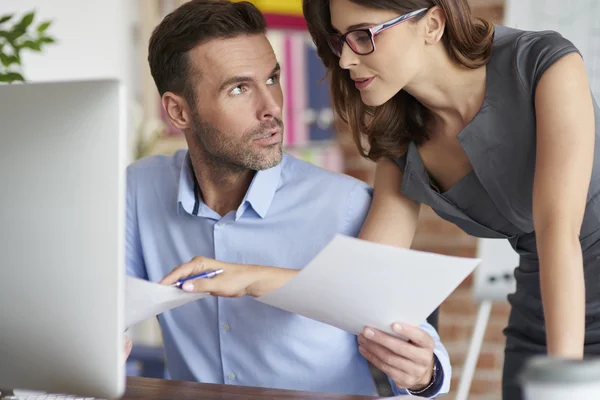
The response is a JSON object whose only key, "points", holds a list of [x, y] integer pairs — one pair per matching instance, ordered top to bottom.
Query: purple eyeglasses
{"points": [[362, 41]]}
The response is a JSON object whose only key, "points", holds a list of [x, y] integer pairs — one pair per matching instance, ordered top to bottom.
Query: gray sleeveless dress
{"points": [[495, 199]]}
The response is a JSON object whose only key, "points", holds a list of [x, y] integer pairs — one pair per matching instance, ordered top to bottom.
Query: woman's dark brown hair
{"points": [[389, 128]]}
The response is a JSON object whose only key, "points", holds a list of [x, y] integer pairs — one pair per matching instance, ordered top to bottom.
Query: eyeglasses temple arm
{"points": [[389, 24]]}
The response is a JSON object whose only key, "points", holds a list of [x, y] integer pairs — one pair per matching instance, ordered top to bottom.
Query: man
{"points": [[235, 198]]}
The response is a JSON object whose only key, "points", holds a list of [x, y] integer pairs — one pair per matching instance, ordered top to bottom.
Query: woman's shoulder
{"points": [[517, 39], [528, 53]]}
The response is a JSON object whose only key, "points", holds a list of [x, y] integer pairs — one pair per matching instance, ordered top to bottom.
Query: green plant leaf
{"points": [[5, 18], [26, 21], [43, 26], [16, 33], [9, 38], [47, 39], [30, 44], [8, 60], [10, 77]]}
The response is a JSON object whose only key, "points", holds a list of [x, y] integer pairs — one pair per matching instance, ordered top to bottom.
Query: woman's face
{"points": [[399, 51]]}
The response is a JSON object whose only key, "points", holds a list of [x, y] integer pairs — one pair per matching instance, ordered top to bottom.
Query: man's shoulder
{"points": [[157, 166], [300, 172], [339, 201]]}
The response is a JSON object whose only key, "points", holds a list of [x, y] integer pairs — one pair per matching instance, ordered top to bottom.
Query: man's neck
{"points": [[222, 185]]}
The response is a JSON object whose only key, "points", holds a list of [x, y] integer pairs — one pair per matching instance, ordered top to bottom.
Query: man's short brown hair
{"points": [[190, 25]]}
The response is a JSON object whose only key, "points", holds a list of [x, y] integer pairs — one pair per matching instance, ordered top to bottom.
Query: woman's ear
{"points": [[434, 23]]}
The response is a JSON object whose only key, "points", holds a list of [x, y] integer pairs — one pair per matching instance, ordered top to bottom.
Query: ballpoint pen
{"points": [[205, 274]]}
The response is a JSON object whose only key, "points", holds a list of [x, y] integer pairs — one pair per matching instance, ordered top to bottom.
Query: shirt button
{"points": [[221, 224], [226, 327], [231, 376]]}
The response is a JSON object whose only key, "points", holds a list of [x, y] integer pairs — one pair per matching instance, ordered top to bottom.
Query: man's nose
{"points": [[270, 106]]}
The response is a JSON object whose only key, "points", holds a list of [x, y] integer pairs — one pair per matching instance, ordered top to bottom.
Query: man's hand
{"points": [[236, 280], [128, 347], [408, 363]]}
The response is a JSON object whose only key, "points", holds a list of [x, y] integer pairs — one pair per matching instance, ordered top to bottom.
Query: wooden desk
{"points": [[158, 389]]}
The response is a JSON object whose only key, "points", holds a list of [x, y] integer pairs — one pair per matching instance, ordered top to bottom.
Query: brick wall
{"points": [[457, 315]]}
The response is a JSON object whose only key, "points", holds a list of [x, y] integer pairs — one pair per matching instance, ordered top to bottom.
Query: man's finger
{"points": [[193, 267], [201, 285], [415, 334], [128, 346], [398, 346], [387, 356], [401, 378]]}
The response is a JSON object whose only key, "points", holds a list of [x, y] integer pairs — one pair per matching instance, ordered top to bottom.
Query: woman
{"points": [[492, 127]]}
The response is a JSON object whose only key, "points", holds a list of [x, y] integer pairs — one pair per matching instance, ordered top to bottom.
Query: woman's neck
{"points": [[452, 92]]}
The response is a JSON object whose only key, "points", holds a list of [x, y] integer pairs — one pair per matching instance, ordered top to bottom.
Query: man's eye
{"points": [[273, 80], [238, 90]]}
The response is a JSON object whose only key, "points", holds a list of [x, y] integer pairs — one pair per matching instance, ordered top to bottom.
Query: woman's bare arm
{"points": [[392, 218]]}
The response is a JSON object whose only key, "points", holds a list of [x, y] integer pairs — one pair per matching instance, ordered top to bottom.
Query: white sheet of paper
{"points": [[354, 283], [146, 299]]}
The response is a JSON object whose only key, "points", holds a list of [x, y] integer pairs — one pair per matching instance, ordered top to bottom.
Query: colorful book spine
{"points": [[282, 14], [289, 47], [328, 156]]}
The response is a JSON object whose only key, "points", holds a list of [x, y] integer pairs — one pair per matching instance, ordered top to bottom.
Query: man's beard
{"points": [[236, 154]]}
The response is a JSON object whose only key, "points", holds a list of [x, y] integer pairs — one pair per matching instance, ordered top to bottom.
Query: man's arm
{"points": [[134, 259], [441, 381]]}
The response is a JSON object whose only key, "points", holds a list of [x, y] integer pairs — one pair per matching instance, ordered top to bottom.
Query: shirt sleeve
{"points": [[536, 52], [357, 208], [134, 260], [440, 352]]}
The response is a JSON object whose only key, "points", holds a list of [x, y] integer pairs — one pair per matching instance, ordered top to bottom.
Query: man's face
{"points": [[237, 116]]}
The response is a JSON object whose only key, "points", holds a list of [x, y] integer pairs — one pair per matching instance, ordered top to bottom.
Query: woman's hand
{"points": [[236, 280], [408, 363]]}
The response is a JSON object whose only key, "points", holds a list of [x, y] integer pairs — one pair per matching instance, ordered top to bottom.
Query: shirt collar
{"points": [[262, 190], [259, 195], [186, 198]]}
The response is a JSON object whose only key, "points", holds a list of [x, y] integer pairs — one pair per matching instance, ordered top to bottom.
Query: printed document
{"points": [[354, 283], [144, 299]]}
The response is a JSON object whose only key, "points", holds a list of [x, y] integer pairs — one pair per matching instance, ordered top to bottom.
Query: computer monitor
{"points": [[62, 155]]}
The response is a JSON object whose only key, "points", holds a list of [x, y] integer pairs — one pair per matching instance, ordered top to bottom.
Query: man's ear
{"points": [[177, 110]]}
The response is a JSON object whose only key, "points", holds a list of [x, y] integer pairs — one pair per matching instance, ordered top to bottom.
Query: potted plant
{"points": [[17, 35]]}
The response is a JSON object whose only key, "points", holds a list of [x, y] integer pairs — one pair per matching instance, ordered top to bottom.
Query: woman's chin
{"points": [[374, 99]]}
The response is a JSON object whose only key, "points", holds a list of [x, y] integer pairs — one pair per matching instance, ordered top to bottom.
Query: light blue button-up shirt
{"points": [[288, 215]]}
